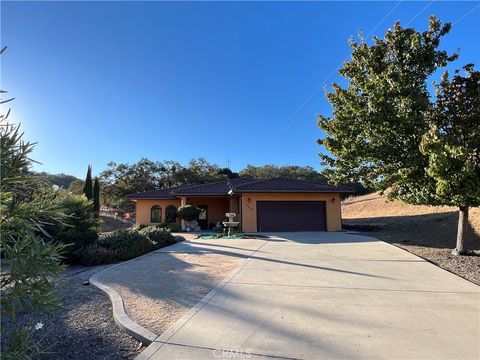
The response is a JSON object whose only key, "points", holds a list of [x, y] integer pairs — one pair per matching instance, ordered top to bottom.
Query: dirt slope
{"points": [[427, 231]]}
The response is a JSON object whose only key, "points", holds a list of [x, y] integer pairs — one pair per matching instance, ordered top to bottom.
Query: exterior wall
{"points": [[143, 207], [217, 207], [249, 207], [233, 208], [247, 212]]}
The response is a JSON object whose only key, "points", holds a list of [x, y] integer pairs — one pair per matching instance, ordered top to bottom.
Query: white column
{"points": [[183, 202]]}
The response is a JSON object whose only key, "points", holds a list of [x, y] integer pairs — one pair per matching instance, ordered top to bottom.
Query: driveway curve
{"points": [[329, 296]]}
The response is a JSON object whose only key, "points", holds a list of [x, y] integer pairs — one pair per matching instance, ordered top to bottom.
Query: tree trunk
{"points": [[462, 230]]}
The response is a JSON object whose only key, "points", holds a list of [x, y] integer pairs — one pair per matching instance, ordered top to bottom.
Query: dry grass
{"points": [[374, 207], [109, 224], [427, 231]]}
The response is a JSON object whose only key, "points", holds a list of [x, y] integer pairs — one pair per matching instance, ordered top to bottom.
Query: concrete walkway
{"points": [[329, 296]]}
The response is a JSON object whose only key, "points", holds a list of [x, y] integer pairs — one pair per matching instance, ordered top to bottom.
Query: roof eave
{"points": [[294, 191], [202, 194], [151, 198]]}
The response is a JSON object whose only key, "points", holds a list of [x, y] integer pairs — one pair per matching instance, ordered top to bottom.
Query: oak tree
{"points": [[452, 145]]}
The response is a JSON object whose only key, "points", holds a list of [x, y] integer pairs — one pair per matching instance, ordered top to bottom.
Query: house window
{"points": [[156, 214], [170, 214]]}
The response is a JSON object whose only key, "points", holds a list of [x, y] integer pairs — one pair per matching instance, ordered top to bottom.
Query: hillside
{"points": [[61, 180], [427, 231]]}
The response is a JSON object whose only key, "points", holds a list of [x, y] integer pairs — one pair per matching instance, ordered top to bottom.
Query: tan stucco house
{"points": [[277, 204]]}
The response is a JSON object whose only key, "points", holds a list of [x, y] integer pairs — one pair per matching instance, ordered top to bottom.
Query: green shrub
{"points": [[189, 212], [139, 227], [174, 227], [79, 228], [158, 236], [127, 243], [96, 255], [29, 263]]}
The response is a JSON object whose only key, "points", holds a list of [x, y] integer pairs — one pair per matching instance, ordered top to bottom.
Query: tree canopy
{"points": [[379, 119], [387, 132], [452, 143], [287, 171], [119, 180]]}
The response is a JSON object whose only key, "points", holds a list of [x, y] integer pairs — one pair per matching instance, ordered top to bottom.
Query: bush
{"points": [[189, 212], [139, 227], [174, 227], [79, 228], [158, 236], [127, 243], [122, 245], [96, 255], [29, 263]]}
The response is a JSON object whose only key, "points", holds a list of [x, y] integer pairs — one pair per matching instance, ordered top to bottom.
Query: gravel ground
{"points": [[162, 287], [84, 328]]}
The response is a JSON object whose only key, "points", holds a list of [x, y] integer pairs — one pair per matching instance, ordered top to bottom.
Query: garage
{"points": [[291, 216]]}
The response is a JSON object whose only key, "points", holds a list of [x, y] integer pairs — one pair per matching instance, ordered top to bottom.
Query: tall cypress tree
{"points": [[87, 188], [96, 196]]}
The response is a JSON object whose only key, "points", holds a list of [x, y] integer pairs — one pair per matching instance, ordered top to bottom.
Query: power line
{"points": [[421, 11], [466, 14], [384, 18], [312, 94], [295, 113]]}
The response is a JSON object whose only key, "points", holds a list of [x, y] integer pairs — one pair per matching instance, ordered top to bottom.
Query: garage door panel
{"points": [[291, 216]]}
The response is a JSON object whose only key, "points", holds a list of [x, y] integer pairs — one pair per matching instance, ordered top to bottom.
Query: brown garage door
{"points": [[291, 216]]}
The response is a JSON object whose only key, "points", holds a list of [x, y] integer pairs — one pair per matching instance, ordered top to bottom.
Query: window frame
{"points": [[152, 209]]}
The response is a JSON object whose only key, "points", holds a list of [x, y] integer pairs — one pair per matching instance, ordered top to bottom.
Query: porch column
{"points": [[183, 202]]}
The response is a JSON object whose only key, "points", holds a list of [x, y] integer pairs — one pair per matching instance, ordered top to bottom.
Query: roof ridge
{"points": [[256, 181]]}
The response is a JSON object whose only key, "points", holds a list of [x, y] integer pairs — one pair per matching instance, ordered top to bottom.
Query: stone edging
{"points": [[119, 315], [176, 326]]}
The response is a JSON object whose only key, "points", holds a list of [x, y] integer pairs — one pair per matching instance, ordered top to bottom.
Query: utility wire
{"points": [[466, 14], [312, 94]]}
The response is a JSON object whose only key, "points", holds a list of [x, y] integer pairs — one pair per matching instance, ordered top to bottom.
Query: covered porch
{"points": [[215, 208]]}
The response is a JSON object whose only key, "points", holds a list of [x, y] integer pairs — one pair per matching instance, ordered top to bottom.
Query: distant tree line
{"points": [[60, 180], [119, 180]]}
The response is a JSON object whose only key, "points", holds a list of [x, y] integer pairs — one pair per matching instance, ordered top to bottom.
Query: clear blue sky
{"points": [[116, 81]]}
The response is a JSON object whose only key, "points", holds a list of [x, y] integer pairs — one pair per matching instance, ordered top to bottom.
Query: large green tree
{"points": [[381, 116], [452, 145], [88, 186], [96, 196]]}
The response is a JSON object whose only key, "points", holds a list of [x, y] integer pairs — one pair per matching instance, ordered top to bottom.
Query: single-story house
{"points": [[277, 204]]}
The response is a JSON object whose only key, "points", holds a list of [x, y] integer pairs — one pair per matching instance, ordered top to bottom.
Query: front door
{"points": [[203, 217]]}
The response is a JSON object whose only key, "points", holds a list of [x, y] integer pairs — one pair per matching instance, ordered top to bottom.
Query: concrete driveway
{"points": [[329, 296]]}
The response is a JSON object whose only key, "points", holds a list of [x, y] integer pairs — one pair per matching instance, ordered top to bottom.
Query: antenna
{"points": [[228, 163]]}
